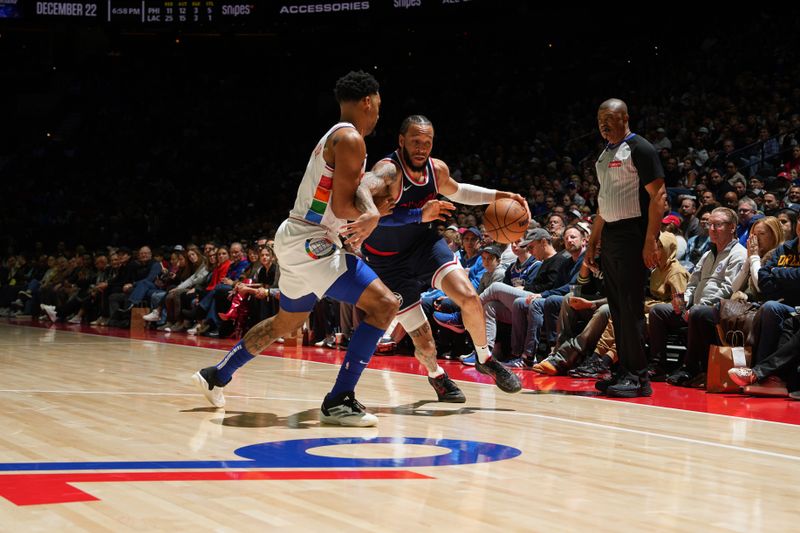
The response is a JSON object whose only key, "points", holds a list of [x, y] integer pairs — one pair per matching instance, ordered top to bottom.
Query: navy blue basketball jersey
{"points": [[392, 240]]}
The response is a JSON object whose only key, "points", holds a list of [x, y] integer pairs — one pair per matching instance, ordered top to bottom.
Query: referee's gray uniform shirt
{"points": [[623, 170]]}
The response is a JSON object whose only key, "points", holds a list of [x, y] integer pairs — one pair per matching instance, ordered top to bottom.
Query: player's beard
{"points": [[410, 164]]}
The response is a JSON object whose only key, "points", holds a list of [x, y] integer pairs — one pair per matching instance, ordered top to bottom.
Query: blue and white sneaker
{"points": [[451, 321], [469, 359]]}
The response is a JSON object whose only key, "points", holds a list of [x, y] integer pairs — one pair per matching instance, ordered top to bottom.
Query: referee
{"points": [[630, 207]]}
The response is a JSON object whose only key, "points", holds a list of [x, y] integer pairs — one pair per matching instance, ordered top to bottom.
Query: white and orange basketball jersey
{"points": [[314, 194], [307, 244]]}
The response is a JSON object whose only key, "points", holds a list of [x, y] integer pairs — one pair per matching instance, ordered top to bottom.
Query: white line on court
{"points": [[142, 393], [673, 409], [506, 413], [657, 435]]}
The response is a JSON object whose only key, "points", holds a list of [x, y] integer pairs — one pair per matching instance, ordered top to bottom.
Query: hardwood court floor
{"points": [[105, 433]]}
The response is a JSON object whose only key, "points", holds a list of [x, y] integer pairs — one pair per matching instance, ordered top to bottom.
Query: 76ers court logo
{"points": [[318, 248]]}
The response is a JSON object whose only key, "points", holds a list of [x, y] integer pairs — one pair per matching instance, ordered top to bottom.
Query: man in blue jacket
{"points": [[778, 279]]}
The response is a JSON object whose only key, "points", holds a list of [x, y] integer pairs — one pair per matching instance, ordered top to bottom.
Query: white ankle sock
{"points": [[483, 353], [436, 373]]}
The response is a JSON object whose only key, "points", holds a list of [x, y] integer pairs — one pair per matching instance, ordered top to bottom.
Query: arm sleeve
{"points": [[469, 194]]}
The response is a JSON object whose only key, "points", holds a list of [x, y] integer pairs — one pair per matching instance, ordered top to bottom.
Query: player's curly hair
{"points": [[354, 86]]}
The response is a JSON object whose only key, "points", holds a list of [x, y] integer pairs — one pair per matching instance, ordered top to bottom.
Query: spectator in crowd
{"points": [[793, 163], [718, 184], [793, 195], [709, 199], [731, 200], [771, 204], [748, 214], [788, 220], [556, 224], [672, 224], [690, 225], [766, 234], [700, 243], [526, 266], [198, 269], [176, 272], [218, 274], [711, 281], [779, 283], [139, 284], [507, 304], [543, 316], [769, 376]]}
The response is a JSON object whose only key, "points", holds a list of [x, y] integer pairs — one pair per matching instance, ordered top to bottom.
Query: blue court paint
{"points": [[293, 454]]}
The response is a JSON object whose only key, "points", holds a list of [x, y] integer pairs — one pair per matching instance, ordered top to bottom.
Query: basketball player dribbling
{"points": [[410, 256], [313, 262]]}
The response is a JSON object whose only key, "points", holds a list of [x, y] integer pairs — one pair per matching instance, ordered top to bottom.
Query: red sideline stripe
{"points": [[39, 489]]}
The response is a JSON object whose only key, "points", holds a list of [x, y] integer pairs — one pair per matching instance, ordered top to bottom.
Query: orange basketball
{"points": [[505, 220]]}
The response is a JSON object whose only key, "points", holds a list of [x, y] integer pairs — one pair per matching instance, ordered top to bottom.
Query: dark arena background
{"points": [[178, 121]]}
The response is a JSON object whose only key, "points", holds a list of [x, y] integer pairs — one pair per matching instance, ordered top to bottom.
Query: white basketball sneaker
{"points": [[205, 381]]}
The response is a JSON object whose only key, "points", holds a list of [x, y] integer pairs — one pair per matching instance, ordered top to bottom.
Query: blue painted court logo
{"points": [[41, 483]]}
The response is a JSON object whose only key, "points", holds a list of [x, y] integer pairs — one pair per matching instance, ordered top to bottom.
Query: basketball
{"points": [[505, 220]]}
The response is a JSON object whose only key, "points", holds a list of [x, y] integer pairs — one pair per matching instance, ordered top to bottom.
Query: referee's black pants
{"points": [[624, 275]]}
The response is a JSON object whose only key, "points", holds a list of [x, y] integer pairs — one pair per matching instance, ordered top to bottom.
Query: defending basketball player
{"points": [[409, 256], [313, 262]]}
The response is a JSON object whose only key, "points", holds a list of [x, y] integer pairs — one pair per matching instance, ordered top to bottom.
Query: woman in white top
{"points": [[765, 235]]}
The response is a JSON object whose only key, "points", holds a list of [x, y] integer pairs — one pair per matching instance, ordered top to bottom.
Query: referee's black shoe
{"points": [[504, 378], [603, 384], [630, 386]]}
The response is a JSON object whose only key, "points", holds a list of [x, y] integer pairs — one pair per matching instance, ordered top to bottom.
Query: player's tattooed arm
{"points": [[382, 178], [382, 182], [363, 200], [372, 207], [357, 231]]}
